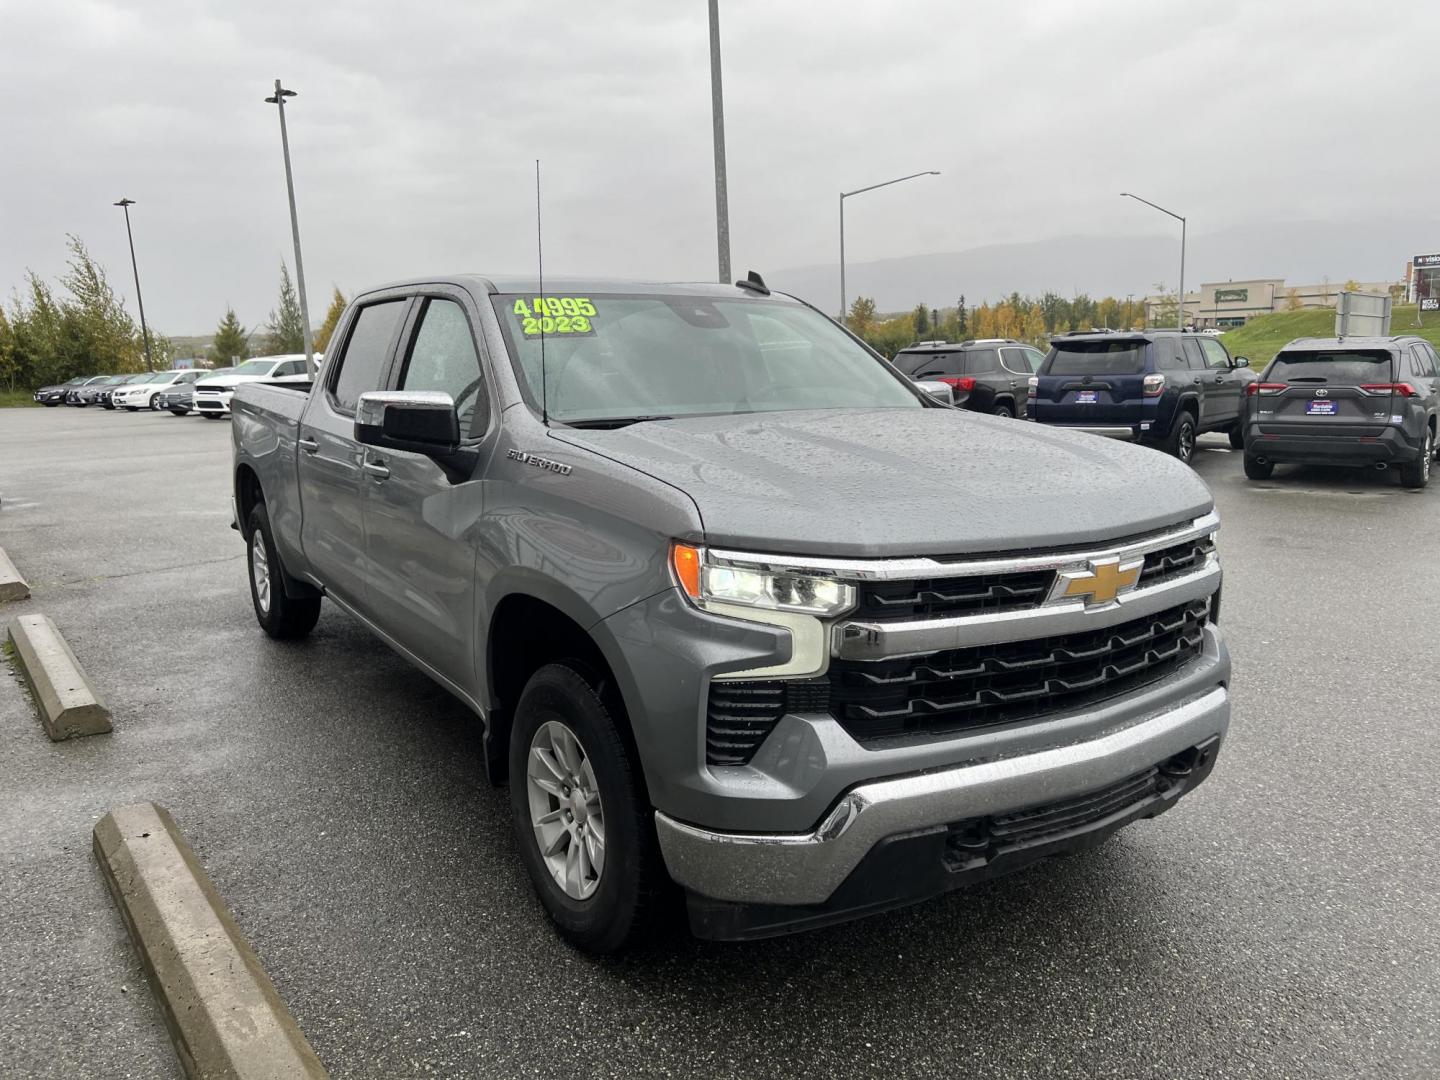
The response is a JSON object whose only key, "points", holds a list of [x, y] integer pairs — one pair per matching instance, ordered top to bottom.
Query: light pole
{"points": [[278, 100], [717, 120], [860, 191], [125, 205], [1180, 307]]}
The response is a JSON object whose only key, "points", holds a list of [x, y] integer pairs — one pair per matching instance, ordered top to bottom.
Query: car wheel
{"points": [[132, 408], [1003, 410], [212, 415], [1237, 435], [1181, 442], [1256, 469], [1417, 473], [281, 616], [582, 819]]}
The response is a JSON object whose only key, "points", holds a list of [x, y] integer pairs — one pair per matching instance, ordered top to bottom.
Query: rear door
{"points": [[1020, 362], [982, 365], [1092, 381], [1224, 384], [1329, 392], [420, 528], [332, 529]]}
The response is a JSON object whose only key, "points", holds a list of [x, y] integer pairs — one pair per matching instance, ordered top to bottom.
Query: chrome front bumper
{"points": [[807, 868]]}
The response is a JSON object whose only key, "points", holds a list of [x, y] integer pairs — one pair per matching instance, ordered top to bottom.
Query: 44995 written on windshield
{"points": [[555, 315]]}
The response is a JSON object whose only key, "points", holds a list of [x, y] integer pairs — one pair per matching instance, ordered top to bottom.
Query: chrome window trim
{"points": [[922, 567]]}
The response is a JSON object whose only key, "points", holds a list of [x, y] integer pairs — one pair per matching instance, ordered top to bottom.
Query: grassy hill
{"points": [[1262, 337]]}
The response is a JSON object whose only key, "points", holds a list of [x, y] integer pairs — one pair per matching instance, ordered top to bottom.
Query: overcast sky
{"points": [[417, 126]]}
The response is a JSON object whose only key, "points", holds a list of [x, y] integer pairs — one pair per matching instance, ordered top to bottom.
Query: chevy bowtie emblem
{"points": [[1098, 583]]}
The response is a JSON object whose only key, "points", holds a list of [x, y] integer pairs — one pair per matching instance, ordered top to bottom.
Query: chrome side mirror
{"points": [[421, 421]]}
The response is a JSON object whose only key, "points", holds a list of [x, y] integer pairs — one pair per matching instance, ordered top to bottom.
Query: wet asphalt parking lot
{"points": [[1284, 921]]}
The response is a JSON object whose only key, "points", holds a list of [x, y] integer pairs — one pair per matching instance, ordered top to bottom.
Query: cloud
{"points": [[417, 127]]}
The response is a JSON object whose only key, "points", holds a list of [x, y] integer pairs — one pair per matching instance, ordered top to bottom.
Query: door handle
{"points": [[1219, 379], [308, 445], [376, 469]]}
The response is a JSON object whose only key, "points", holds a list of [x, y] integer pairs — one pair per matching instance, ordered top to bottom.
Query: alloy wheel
{"points": [[260, 572], [565, 810]]}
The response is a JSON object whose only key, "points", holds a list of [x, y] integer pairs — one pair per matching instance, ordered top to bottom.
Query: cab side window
{"points": [[367, 351], [1215, 353], [1193, 355], [443, 357], [980, 361], [1423, 362]]}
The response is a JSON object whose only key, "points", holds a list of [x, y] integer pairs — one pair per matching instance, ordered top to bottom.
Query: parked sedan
{"points": [[90, 393], [72, 395], [51, 396], [106, 396], [139, 396]]}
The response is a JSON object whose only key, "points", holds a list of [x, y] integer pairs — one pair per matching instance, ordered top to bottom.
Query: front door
{"points": [[1224, 387], [420, 524], [332, 530]]}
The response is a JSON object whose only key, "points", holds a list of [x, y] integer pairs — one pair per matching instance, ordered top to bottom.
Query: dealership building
{"points": [[1225, 304]]}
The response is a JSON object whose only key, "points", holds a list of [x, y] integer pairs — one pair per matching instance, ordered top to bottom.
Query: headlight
{"points": [[709, 581]]}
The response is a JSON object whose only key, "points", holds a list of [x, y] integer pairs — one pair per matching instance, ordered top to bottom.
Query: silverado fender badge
{"points": [[538, 462]]}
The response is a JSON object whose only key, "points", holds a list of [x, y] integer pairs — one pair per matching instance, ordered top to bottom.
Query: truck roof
{"points": [[559, 285]]}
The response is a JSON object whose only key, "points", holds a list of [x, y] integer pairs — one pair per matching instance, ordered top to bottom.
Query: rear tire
{"points": [[1004, 410], [212, 415], [1237, 435], [1181, 442], [1258, 470], [1417, 473], [283, 617], [600, 911]]}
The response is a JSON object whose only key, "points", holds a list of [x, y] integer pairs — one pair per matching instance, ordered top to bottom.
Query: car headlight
{"points": [[709, 581]]}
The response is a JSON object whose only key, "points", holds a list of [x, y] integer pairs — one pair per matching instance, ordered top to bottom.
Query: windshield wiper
{"points": [[610, 422]]}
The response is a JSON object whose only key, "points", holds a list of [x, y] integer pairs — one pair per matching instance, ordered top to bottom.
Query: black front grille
{"points": [[1175, 561], [926, 598], [982, 686], [740, 714], [978, 840]]}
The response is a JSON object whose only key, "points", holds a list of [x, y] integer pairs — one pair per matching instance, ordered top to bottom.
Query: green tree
{"points": [[1165, 309], [861, 319], [332, 320], [921, 321], [962, 323], [1035, 324], [286, 327], [96, 331], [231, 343], [9, 353]]}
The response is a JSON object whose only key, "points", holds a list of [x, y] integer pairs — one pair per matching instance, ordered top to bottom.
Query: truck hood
{"points": [[889, 482]]}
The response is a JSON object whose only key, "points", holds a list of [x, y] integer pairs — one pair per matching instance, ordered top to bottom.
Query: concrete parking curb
{"points": [[12, 585], [68, 704], [224, 1014]]}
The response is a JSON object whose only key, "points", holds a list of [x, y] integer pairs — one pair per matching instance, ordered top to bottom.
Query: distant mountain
{"points": [[1301, 252]]}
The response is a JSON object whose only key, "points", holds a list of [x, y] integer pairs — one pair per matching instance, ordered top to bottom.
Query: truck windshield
{"points": [[625, 357], [1096, 358], [1343, 368]]}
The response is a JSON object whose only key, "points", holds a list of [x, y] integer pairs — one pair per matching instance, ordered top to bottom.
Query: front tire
{"points": [[1181, 443], [1258, 470], [1417, 473], [281, 616], [582, 819]]}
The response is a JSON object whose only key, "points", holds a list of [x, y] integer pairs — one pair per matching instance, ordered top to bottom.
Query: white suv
{"points": [[213, 393], [140, 395]]}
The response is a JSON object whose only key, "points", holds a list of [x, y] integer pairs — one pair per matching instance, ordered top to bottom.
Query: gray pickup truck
{"points": [[740, 609]]}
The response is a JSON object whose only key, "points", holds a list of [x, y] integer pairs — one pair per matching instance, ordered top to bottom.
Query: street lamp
{"points": [[278, 100], [860, 191], [125, 205], [1180, 307]]}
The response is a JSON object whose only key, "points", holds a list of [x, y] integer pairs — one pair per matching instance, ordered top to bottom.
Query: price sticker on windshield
{"points": [[568, 315]]}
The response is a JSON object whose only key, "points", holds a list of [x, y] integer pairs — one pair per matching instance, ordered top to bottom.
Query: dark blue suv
{"points": [[1160, 387]]}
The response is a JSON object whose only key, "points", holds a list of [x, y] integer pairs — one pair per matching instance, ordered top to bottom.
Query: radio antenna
{"points": [[545, 308]]}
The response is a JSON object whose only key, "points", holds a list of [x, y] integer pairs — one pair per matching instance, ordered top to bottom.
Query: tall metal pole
{"points": [[279, 102], [717, 118], [860, 191], [125, 205], [1180, 305], [1181, 320]]}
